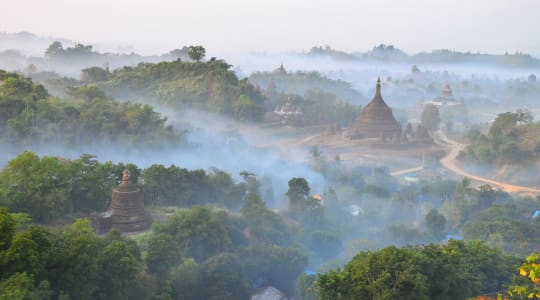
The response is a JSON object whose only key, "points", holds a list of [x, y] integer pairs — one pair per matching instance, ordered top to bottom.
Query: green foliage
{"points": [[196, 53], [94, 74], [306, 83], [204, 85], [29, 116], [430, 117], [512, 138], [35, 186], [49, 187], [181, 187], [298, 192], [264, 224], [435, 224], [7, 228], [202, 232], [512, 236], [162, 253], [73, 263], [273, 265], [73, 268], [529, 269], [118, 270], [457, 270], [222, 278], [186, 280], [20, 286]]}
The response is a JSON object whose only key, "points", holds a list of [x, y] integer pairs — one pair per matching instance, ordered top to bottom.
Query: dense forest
{"points": [[301, 82], [207, 85], [212, 86], [29, 116], [511, 138], [222, 240]]}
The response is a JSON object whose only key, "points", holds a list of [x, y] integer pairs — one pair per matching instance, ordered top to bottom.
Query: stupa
{"points": [[445, 98], [375, 121], [126, 211]]}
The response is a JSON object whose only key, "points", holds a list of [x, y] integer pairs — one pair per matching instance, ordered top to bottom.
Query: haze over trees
{"points": [[209, 85], [30, 116], [430, 117], [511, 138], [327, 229], [209, 253]]}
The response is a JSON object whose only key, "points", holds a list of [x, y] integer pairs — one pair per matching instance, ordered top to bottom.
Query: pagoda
{"points": [[375, 121], [126, 211]]}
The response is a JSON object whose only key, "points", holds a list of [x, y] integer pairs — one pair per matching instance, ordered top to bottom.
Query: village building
{"points": [[287, 114]]}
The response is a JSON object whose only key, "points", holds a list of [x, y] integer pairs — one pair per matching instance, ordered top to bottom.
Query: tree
{"points": [[55, 49], [196, 53], [94, 74], [87, 93], [524, 116], [430, 117], [505, 122], [39, 187], [297, 193], [435, 223], [264, 224], [7, 228], [202, 232], [29, 252], [163, 253], [279, 267], [74, 269], [456, 270], [531, 270], [119, 271], [390, 273], [222, 278], [186, 280], [20, 286]]}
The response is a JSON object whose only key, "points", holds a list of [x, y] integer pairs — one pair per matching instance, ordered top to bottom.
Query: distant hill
{"points": [[28, 43], [389, 53], [208, 85]]}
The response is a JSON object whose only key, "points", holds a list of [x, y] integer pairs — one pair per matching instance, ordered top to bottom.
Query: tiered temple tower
{"points": [[376, 120], [126, 211]]}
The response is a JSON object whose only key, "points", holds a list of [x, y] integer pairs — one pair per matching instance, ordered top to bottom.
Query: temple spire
{"points": [[378, 91], [126, 177]]}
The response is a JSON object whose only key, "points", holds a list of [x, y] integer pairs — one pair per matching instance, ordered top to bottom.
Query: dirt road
{"points": [[450, 162]]}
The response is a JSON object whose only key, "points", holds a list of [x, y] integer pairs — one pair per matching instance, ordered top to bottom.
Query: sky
{"points": [[489, 26]]}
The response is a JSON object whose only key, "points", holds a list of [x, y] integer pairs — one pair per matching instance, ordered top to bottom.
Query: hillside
{"points": [[29, 116]]}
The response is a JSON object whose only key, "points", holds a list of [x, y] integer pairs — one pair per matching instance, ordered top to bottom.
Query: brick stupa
{"points": [[126, 212]]}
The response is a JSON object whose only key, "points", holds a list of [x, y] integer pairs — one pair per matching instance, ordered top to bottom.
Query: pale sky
{"points": [[227, 26]]}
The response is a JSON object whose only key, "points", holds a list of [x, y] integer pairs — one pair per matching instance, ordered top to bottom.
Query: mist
{"points": [[352, 195]]}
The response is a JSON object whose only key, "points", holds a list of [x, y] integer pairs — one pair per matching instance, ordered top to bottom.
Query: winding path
{"points": [[449, 162]]}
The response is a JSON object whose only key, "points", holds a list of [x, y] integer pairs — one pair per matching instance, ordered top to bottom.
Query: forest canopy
{"points": [[30, 116]]}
